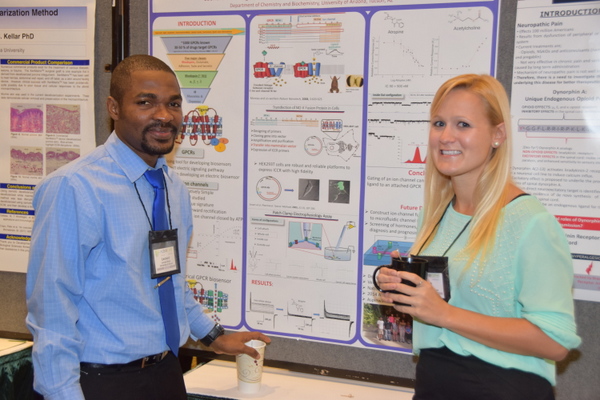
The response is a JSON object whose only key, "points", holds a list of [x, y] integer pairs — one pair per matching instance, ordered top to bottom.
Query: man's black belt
{"points": [[141, 363]]}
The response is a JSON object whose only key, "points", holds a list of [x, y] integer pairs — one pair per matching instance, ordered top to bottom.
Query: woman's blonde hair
{"points": [[492, 187]]}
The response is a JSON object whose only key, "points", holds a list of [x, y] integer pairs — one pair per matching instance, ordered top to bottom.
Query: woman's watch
{"points": [[215, 332]]}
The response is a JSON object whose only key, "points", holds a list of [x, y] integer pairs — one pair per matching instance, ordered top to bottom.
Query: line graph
{"points": [[446, 44], [397, 144]]}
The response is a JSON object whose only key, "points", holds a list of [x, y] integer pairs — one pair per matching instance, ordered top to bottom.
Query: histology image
{"points": [[26, 118], [63, 118], [57, 157], [26, 161]]}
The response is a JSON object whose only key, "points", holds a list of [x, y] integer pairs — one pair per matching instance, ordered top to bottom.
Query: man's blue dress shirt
{"points": [[89, 293]]}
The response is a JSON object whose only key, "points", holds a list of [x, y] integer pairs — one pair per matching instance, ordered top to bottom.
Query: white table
{"points": [[10, 346], [219, 379]]}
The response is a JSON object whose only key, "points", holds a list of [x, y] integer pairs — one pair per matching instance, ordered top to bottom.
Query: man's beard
{"points": [[156, 150]]}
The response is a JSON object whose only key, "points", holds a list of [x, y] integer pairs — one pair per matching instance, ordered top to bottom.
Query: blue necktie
{"points": [[166, 292]]}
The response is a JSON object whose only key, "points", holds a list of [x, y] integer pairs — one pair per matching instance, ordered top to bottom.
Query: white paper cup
{"points": [[249, 370]]}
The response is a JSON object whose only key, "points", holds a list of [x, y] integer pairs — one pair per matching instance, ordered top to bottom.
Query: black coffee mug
{"points": [[410, 264]]}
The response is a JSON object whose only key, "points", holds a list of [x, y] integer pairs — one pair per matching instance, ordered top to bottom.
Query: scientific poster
{"points": [[46, 106], [556, 111], [303, 146]]}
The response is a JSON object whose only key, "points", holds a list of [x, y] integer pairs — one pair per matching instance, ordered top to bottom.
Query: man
{"points": [[92, 290], [380, 327]]}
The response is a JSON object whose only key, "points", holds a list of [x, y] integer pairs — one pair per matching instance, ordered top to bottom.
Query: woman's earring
{"points": [[496, 144]]}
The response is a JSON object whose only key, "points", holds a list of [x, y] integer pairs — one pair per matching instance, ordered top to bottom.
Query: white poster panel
{"points": [[412, 52], [208, 55], [46, 106], [556, 110], [303, 148], [304, 168]]}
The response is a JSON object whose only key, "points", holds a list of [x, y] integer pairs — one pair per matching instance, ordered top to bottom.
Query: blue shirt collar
{"points": [[131, 164]]}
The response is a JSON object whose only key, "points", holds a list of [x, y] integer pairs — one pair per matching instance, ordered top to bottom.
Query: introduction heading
{"points": [[570, 13]]}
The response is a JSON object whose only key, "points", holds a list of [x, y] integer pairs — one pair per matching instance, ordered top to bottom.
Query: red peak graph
{"points": [[416, 158]]}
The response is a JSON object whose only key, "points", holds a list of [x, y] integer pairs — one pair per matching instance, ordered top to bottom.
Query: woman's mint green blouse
{"points": [[529, 274]]}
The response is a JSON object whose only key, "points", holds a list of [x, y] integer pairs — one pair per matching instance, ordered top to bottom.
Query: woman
{"points": [[510, 315], [394, 329]]}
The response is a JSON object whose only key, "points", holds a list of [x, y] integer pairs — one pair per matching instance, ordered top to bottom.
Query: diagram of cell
{"points": [[26, 118], [203, 123], [343, 145], [308, 189], [339, 191], [305, 235]]}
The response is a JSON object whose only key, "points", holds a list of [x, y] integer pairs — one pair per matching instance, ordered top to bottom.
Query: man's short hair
{"points": [[122, 72]]}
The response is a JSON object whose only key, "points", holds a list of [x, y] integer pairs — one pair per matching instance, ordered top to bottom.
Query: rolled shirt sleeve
{"points": [[545, 282]]}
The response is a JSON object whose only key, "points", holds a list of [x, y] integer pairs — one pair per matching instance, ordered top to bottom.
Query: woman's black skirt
{"points": [[443, 374]]}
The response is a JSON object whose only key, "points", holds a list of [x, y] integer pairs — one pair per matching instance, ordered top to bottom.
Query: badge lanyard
{"points": [[435, 227], [164, 248], [437, 268], [437, 272]]}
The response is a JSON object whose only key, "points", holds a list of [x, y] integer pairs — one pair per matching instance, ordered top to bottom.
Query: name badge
{"points": [[164, 253], [437, 275]]}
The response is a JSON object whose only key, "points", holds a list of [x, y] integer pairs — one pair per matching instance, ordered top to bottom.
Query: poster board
{"points": [[46, 106], [556, 112], [303, 147], [576, 375]]}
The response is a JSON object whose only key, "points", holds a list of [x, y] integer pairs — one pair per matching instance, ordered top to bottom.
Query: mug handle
{"points": [[375, 278]]}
